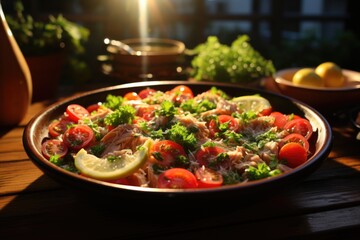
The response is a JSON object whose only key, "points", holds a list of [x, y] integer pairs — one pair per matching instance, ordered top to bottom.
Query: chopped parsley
{"points": [[113, 102], [167, 109], [123, 115], [181, 135]]}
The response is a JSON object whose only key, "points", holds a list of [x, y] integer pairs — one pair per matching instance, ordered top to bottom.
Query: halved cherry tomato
{"points": [[182, 89], [146, 92], [181, 94], [132, 96], [93, 107], [76, 112], [146, 112], [266, 112], [293, 116], [280, 119], [215, 124], [301, 126], [58, 127], [78, 136], [295, 137], [53, 147], [165, 152], [293, 154], [207, 156], [178, 178], [208, 178], [131, 180]]}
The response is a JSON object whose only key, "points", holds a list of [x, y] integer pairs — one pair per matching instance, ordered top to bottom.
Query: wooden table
{"points": [[326, 205]]}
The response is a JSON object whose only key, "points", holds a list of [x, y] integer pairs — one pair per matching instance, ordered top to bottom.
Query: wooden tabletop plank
{"points": [[19, 177], [141, 222]]}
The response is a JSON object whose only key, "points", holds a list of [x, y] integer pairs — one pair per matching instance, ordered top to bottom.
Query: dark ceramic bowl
{"points": [[321, 142]]}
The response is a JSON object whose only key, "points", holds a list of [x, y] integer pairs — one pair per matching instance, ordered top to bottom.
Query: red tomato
{"points": [[182, 89], [146, 92], [182, 93], [131, 96], [93, 107], [266, 111], [76, 112], [146, 112], [293, 116], [280, 119], [233, 125], [301, 126], [58, 127], [78, 136], [295, 137], [53, 147], [165, 152], [293, 154], [207, 155], [178, 178], [208, 178], [131, 180]]}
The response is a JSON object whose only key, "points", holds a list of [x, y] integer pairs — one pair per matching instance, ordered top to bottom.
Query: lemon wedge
{"points": [[253, 103], [105, 169]]}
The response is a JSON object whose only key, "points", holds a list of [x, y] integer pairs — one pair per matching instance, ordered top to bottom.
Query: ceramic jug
{"points": [[15, 78]]}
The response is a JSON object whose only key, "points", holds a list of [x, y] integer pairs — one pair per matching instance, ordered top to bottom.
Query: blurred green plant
{"points": [[36, 38], [237, 63]]}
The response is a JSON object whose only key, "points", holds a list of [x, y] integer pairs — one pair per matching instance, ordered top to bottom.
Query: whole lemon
{"points": [[331, 73], [307, 77]]}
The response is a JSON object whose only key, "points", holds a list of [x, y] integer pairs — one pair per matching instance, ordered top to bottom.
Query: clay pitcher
{"points": [[15, 78]]}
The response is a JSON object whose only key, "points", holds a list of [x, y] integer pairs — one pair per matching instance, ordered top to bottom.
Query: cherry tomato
{"points": [[182, 89], [146, 92], [182, 93], [132, 96], [93, 108], [266, 111], [76, 112], [146, 112], [293, 116], [280, 119], [214, 124], [301, 126], [58, 127], [78, 136], [295, 137], [53, 147], [165, 152], [293, 154], [207, 156], [178, 178], [208, 178], [131, 180]]}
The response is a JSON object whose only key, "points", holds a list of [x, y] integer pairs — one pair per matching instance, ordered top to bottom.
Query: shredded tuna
{"points": [[124, 136]]}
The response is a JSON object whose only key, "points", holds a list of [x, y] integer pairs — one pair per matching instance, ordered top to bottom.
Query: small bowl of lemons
{"points": [[326, 86]]}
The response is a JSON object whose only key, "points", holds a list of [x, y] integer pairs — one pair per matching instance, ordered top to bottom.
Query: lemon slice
{"points": [[253, 103], [104, 169]]}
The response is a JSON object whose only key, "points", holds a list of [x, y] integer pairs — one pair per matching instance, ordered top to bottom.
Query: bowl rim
{"points": [[179, 47], [280, 80], [68, 177]]}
